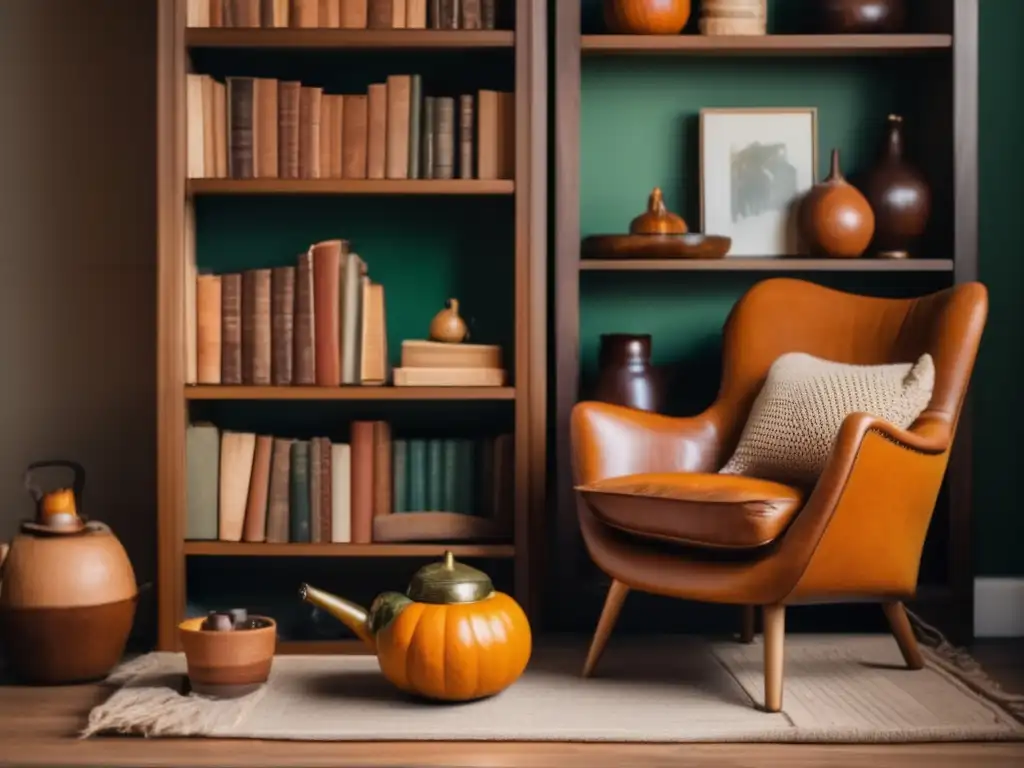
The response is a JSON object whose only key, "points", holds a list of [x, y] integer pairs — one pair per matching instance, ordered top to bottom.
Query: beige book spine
{"points": [[304, 14], [329, 14], [353, 14], [416, 14], [310, 112], [220, 127], [266, 128], [195, 134], [354, 137], [376, 138], [397, 138], [208, 329], [236, 455]]}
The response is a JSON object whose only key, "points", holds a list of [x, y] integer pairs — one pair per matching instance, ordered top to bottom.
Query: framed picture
{"points": [[755, 167]]}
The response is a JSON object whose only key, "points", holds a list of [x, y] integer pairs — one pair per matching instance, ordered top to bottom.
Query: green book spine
{"points": [[415, 123], [427, 131], [464, 470], [399, 475], [417, 475], [435, 475], [483, 475], [449, 476], [298, 522]]}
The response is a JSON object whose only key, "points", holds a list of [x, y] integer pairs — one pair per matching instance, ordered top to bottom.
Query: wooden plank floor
{"points": [[37, 727]]}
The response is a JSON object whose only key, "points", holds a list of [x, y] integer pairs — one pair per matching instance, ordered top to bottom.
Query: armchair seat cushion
{"points": [[705, 510]]}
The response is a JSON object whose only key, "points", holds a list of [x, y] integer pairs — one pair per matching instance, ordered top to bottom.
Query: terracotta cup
{"points": [[228, 664]]}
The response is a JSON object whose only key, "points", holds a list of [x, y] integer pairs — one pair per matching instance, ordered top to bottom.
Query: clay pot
{"points": [[646, 17], [862, 17], [899, 196], [657, 220], [836, 220], [447, 325], [625, 375], [67, 594], [228, 664]]}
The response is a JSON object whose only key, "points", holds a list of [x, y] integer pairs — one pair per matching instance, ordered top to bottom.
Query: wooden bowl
{"points": [[691, 245], [228, 664]]}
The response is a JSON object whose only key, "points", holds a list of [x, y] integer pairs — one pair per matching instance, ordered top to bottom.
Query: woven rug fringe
{"points": [[959, 662]]}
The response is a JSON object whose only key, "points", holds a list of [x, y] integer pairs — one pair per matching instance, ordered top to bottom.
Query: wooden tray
{"points": [[692, 245]]}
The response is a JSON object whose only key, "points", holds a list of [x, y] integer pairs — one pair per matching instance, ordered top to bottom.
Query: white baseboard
{"points": [[999, 606]]}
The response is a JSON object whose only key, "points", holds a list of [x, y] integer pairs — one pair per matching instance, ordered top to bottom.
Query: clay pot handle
{"points": [[98, 527]]}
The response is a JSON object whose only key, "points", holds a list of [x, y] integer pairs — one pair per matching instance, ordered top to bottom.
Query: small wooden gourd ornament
{"points": [[657, 220], [836, 220], [447, 326]]}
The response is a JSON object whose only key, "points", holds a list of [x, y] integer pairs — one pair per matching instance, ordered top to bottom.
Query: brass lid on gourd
{"points": [[449, 581]]}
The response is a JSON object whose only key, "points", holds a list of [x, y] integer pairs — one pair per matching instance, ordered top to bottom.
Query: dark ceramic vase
{"points": [[863, 17], [899, 196], [625, 375]]}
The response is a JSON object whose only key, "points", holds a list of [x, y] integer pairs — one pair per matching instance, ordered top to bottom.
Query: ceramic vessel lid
{"points": [[449, 581]]}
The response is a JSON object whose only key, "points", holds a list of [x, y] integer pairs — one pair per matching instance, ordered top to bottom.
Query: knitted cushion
{"points": [[803, 403]]}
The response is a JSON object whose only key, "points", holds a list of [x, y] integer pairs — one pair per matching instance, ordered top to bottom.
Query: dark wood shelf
{"points": [[341, 39], [765, 45], [351, 186], [792, 264], [252, 392], [261, 549]]}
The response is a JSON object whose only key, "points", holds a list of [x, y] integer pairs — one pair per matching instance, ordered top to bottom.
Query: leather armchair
{"points": [[656, 516]]}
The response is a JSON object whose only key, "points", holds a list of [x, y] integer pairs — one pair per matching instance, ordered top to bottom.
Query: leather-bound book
{"points": [[216, 13], [243, 13], [274, 13], [304, 13], [449, 13], [489, 13], [329, 14], [353, 14], [380, 14], [398, 14], [416, 14], [434, 14], [471, 14], [399, 89], [288, 97], [310, 103], [415, 125], [337, 126], [209, 127], [241, 127], [266, 127], [220, 129], [376, 131], [354, 133], [466, 136], [444, 137], [326, 145], [427, 145], [328, 266], [351, 316], [282, 324], [208, 329], [231, 329], [256, 332], [373, 348], [304, 368], [382, 480], [362, 481], [314, 490], [326, 490], [298, 496], [278, 506], [255, 528]]}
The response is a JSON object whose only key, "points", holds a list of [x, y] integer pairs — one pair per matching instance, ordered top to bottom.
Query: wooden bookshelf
{"points": [[183, 50], [930, 73], [351, 187], [222, 392], [246, 549]]}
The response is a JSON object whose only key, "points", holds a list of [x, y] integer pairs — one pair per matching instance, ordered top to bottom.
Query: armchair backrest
{"points": [[782, 315]]}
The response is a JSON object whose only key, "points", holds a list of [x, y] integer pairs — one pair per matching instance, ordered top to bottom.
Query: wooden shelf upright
{"points": [[526, 49]]}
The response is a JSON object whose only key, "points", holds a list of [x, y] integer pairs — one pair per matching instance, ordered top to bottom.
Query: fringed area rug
{"points": [[837, 689]]}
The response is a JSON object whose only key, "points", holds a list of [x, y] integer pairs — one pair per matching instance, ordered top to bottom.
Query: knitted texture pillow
{"points": [[798, 412]]}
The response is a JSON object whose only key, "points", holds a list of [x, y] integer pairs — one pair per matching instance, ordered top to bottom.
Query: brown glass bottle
{"points": [[861, 17], [899, 196], [626, 376]]}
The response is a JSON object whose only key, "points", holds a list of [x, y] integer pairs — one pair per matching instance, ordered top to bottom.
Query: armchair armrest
{"points": [[610, 441], [864, 525]]}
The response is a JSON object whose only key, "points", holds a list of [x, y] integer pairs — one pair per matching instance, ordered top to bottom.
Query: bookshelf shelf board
{"points": [[340, 39], [766, 45], [351, 186], [794, 264], [231, 392], [261, 549], [322, 647]]}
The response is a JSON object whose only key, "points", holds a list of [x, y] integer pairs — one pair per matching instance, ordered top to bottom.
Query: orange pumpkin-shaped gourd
{"points": [[646, 17], [836, 220]]}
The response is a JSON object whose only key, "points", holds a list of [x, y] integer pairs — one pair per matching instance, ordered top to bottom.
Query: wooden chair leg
{"points": [[609, 615], [774, 618], [747, 630], [904, 634]]}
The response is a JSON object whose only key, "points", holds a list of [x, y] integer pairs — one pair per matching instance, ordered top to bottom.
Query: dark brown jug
{"points": [[861, 17], [899, 196], [626, 376]]}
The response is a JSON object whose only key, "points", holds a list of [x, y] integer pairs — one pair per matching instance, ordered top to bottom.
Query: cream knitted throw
{"points": [[803, 403]]}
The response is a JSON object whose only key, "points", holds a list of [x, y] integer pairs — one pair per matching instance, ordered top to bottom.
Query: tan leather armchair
{"points": [[857, 534]]}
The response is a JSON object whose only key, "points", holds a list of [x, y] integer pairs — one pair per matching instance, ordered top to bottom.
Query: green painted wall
{"points": [[639, 130]]}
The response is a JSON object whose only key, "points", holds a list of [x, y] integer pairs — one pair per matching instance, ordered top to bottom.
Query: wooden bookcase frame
{"points": [[956, 22], [528, 44]]}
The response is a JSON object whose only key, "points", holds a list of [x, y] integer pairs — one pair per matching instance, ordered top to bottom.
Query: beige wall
{"points": [[77, 258]]}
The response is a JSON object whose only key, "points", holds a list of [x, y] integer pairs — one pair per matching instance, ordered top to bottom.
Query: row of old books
{"points": [[344, 14], [253, 127], [319, 322], [244, 486]]}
